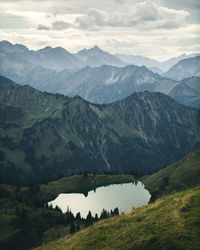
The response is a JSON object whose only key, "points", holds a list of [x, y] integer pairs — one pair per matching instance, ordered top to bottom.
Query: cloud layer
{"points": [[142, 14], [156, 28]]}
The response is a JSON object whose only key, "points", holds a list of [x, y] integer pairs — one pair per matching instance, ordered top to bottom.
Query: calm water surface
{"points": [[124, 196]]}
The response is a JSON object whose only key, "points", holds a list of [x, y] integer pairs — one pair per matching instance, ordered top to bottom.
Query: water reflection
{"points": [[124, 196]]}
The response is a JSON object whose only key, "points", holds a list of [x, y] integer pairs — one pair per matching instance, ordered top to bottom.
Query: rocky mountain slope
{"points": [[95, 57], [24, 66], [184, 69], [5, 82], [107, 83], [187, 92], [44, 136]]}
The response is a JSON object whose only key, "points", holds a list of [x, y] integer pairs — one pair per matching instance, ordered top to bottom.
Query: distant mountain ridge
{"points": [[96, 57], [59, 58], [152, 63], [26, 66], [184, 69], [94, 74], [106, 84], [187, 92], [44, 136]]}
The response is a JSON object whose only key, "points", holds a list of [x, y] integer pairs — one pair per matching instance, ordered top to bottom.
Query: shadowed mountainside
{"points": [[45, 136]]}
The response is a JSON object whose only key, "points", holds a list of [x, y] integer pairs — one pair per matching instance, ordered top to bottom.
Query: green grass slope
{"points": [[181, 175], [172, 222], [45, 224]]}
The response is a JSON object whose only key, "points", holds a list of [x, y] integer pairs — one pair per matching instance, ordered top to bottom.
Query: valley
{"points": [[98, 150], [175, 217], [184, 219]]}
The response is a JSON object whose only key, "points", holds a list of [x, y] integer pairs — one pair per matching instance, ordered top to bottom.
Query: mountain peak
{"points": [[5, 42], [5, 45], [12, 48], [96, 48], [46, 49]]}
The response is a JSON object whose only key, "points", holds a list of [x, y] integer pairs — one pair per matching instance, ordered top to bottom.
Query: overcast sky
{"points": [[158, 29]]}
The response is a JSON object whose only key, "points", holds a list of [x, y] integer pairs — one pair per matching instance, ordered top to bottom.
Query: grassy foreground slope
{"points": [[179, 176], [172, 222], [41, 224]]}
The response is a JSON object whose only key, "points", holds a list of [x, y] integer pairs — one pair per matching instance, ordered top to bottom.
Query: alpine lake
{"points": [[125, 196]]}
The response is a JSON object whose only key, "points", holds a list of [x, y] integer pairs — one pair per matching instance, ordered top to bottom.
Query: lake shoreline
{"points": [[124, 196]]}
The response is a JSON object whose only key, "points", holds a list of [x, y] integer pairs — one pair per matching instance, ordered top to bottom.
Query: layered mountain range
{"points": [[60, 59], [152, 64], [98, 76], [106, 84], [45, 136]]}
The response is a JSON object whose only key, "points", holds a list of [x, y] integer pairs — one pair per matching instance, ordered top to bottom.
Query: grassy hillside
{"points": [[35, 105], [181, 175], [22, 208], [172, 222]]}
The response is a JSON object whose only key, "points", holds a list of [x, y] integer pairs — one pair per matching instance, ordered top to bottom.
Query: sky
{"points": [[158, 29]]}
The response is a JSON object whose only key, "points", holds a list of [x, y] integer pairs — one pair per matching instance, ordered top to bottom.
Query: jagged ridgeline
{"points": [[45, 136]]}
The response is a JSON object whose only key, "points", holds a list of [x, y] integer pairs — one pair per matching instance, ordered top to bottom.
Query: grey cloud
{"points": [[120, 1], [191, 4], [61, 10], [147, 11], [142, 13], [94, 17], [9, 21], [58, 25], [61, 25], [169, 25], [43, 27]]}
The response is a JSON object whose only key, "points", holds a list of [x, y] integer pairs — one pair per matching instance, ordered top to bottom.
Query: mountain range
{"points": [[60, 59], [152, 64], [184, 69], [106, 79], [106, 84], [187, 92], [115, 119], [44, 136]]}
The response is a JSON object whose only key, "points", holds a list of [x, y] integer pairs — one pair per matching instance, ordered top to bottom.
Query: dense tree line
{"points": [[32, 217]]}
